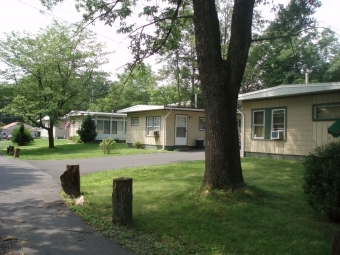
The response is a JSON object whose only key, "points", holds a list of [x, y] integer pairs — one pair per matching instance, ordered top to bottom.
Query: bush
{"points": [[87, 132], [21, 136], [75, 139], [107, 145], [138, 145], [322, 180]]}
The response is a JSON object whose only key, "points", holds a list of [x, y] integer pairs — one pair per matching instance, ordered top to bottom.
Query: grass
{"points": [[66, 149], [171, 216]]}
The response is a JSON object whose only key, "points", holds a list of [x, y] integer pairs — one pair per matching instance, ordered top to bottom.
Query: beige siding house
{"points": [[288, 121], [165, 127], [59, 131]]}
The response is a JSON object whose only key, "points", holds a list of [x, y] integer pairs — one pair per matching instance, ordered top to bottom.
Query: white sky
{"points": [[19, 15]]}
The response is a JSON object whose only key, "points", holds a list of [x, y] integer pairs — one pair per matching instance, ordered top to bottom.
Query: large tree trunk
{"points": [[220, 81], [50, 137]]}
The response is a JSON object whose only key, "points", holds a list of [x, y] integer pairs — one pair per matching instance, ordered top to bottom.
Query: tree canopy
{"points": [[51, 73]]}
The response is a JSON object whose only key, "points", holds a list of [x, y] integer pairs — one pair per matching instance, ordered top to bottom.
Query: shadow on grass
{"points": [[61, 149], [65, 149], [266, 216]]}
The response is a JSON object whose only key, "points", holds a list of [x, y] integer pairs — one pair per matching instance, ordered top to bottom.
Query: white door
{"points": [[181, 130]]}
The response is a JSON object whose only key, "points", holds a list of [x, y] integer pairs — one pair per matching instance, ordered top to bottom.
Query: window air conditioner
{"points": [[154, 133], [277, 135]]}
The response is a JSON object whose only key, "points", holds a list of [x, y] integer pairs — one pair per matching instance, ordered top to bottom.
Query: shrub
{"points": [[87, 132], [21, 135], [75, 139], [107, 145], [138, 145], [322, 180]]}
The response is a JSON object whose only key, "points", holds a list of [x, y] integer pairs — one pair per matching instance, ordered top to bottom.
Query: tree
{"points": [[287, 59], [51, 73], [178, 77], [220, 78], [132, 88], [87, 132], [21, 135]]}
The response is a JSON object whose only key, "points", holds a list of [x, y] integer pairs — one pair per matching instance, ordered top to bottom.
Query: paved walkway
{"points": [[33, 218]]}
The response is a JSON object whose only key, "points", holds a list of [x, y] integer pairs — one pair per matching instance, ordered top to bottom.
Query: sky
{"points": [[20, 15]]}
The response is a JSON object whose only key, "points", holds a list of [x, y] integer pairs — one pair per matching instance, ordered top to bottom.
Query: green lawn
{"points": [[66, 149], [171, 216]]}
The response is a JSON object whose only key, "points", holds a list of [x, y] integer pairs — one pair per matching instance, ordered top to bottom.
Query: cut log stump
{"points": [[11, 150], [17, 152], [70, 180], [122, 200]]}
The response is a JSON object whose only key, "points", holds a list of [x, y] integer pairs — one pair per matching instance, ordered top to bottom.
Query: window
{"points": [[326, 112], [278, 120], [134, 121], [268, 122], [152, 123], [278, 123], [201, 124], [258, 124], [103, 126]]}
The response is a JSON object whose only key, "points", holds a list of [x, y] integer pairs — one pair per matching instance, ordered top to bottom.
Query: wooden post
{"points": [[11, 150], [17, 152], [70, 180], [122, 200], [336, 244]]}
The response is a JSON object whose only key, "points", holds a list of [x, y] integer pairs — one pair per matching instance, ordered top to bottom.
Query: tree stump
{"points": [[11, 150], [17, 152], [70, 180], [122, 200], [336, 244]]}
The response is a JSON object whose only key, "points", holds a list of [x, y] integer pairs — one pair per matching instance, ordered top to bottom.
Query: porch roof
{"points": [[290, 90], [143, 108]]}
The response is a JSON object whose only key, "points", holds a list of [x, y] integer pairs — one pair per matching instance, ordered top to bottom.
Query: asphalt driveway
{"points": [[33, 218]]}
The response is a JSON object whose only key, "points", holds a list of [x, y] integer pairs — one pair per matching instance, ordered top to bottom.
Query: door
{"points": [[181, 130]]}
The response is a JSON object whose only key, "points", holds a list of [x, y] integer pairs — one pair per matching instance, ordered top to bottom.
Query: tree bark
{"points": [[221, 81], [50, 136], [11, 150], [17, 152], [70, 180], [122, 200], [336, 244]]}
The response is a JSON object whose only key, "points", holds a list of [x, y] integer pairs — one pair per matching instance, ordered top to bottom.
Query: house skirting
{"points": [[167, 148], [274, 156]]}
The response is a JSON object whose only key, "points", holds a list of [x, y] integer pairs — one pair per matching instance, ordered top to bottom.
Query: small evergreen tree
{"points": [[87, 132], [21, 135]]}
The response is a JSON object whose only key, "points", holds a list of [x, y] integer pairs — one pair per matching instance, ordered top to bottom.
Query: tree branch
{"points": [[287, 36]]}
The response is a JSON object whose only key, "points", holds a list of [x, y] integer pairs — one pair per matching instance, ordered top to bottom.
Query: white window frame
{"points": [[201, 120], [284, 122], [258, 125], [153, 126]]}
